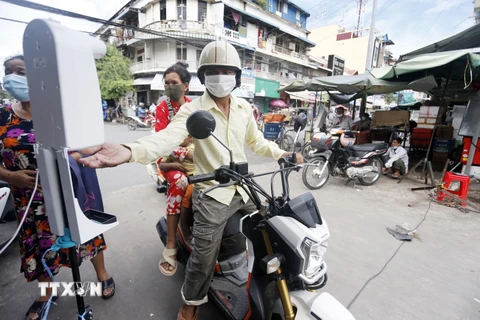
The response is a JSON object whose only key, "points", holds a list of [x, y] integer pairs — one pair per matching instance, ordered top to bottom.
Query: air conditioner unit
{"points": [[299, 24], [291, 46]]}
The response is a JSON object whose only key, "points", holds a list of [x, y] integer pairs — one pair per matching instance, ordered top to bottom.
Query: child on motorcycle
{"points": [[175, 168]]}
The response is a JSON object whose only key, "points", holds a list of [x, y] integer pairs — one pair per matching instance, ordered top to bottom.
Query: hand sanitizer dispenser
{"points": [[67, 115]]}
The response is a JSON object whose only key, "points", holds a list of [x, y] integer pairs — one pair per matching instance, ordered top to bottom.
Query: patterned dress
{"points": [[17, 139]]}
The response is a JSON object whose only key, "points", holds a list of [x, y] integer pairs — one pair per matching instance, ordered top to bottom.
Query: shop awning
{"points": [[469, 38], [241, 45], [449, 65], [146, 81], [365, 82], [195, 85], [307, 96]]}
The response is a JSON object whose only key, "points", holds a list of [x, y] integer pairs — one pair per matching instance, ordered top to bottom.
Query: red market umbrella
{"points": [[278, 104]]}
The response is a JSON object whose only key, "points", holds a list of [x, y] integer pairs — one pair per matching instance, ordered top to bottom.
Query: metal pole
{"points": [[368, 64], [473, 148], [72, 255]]}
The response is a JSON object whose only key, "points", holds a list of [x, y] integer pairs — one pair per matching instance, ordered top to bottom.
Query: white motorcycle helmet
{"points": [[219, 54], [347, 139]]}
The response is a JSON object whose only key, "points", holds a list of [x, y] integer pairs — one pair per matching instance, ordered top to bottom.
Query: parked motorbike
{"points": [[106, 113], [134, 122], [335, 154], [7, 215], [270, 261]]}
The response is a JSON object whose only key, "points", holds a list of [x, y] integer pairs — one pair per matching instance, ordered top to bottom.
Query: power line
{"points": [[392, 2], [446, 4], [40, 7], [13, 20]]}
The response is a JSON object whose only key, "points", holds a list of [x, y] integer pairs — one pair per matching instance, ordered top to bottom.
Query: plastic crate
{"points": [[272, 130]]}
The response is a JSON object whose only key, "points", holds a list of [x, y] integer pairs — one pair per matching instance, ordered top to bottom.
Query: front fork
{"points": [[281, 284]]}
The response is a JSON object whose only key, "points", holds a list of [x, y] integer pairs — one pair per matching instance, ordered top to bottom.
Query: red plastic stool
{"points": [[457, 184]]}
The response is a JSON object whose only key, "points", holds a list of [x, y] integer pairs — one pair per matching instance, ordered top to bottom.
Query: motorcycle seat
{"points": [[369, 147]]}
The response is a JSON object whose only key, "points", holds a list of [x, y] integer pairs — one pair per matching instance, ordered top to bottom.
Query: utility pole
{"points": [[371, 37]]}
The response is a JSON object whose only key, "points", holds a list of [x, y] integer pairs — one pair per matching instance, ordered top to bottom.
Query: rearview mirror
{"points": [[300, 122], [200, 124]]}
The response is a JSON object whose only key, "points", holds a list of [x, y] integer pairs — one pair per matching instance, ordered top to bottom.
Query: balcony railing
{"points": [[181, 25], [288, 52], [157, 65], [277, 76]]}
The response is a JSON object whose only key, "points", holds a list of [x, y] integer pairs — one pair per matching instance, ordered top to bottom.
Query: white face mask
{"points": [[220, 85]]}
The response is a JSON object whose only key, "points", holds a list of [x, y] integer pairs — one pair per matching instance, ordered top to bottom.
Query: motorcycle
{"points": [[106, 113], [134, 122], [363, 162], [157, 176], [7, 215], [271, 262]]}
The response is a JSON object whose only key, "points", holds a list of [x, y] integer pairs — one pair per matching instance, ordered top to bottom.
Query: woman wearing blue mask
{"points": [[18, 167]]}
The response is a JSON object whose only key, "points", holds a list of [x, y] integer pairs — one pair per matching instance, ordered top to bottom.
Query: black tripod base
{"points": [[84, 313]]}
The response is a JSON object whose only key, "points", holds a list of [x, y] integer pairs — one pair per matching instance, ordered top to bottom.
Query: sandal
{"points": [[166, 258], [107, 284], [38, 308], [181, 317]]}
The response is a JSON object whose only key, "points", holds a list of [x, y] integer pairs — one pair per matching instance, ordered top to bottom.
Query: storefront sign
{"points": [[336, 64], [247, 88], [266, 88]]}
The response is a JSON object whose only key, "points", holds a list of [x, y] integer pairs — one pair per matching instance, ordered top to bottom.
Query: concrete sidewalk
{"points": [[433, 277]]}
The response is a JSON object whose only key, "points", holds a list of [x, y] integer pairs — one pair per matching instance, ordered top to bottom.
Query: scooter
{"points": [[134, 122], [362, 162], [157, 176], [7, 214], [271, 261]]}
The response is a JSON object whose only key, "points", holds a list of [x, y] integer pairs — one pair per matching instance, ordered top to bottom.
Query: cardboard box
{"points": [[430, 112], [428, 120]]}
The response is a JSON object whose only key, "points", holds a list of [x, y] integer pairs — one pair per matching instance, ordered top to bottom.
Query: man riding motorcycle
{"points": [[220, 72]]}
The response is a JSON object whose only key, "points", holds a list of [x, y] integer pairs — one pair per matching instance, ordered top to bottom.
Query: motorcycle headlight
{"points": [[314, 253]]}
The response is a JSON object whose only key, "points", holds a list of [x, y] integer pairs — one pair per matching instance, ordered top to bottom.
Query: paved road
{"points": [[432, 277]]}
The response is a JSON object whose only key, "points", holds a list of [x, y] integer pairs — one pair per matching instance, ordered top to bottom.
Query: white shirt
{"points": [[344, 122], [238, 129], [394, 155]]}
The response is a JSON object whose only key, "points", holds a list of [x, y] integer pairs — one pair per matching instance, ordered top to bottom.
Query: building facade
{"points": [[270, 37], [351, 47]]}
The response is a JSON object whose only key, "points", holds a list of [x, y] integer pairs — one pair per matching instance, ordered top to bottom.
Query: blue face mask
{"points": [[17, 87]]}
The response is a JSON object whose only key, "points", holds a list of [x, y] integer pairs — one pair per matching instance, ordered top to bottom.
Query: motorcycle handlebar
{"points": [[201, 178]]}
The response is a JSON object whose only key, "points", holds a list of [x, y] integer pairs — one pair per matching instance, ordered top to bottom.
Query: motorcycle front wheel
{"points": [[312, 176], [372, 177]]}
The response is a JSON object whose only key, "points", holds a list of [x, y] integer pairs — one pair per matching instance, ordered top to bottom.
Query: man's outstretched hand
{"points": [[106, 155], [298, 156]]}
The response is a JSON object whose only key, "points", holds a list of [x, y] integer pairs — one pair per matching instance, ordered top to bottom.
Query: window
{"points": [[279, 6], [285, 8], [182, 9], [163, 10], [202, 10], [298, 15], [279, 42], [181, 51], [199, 52], [139, 58]]}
